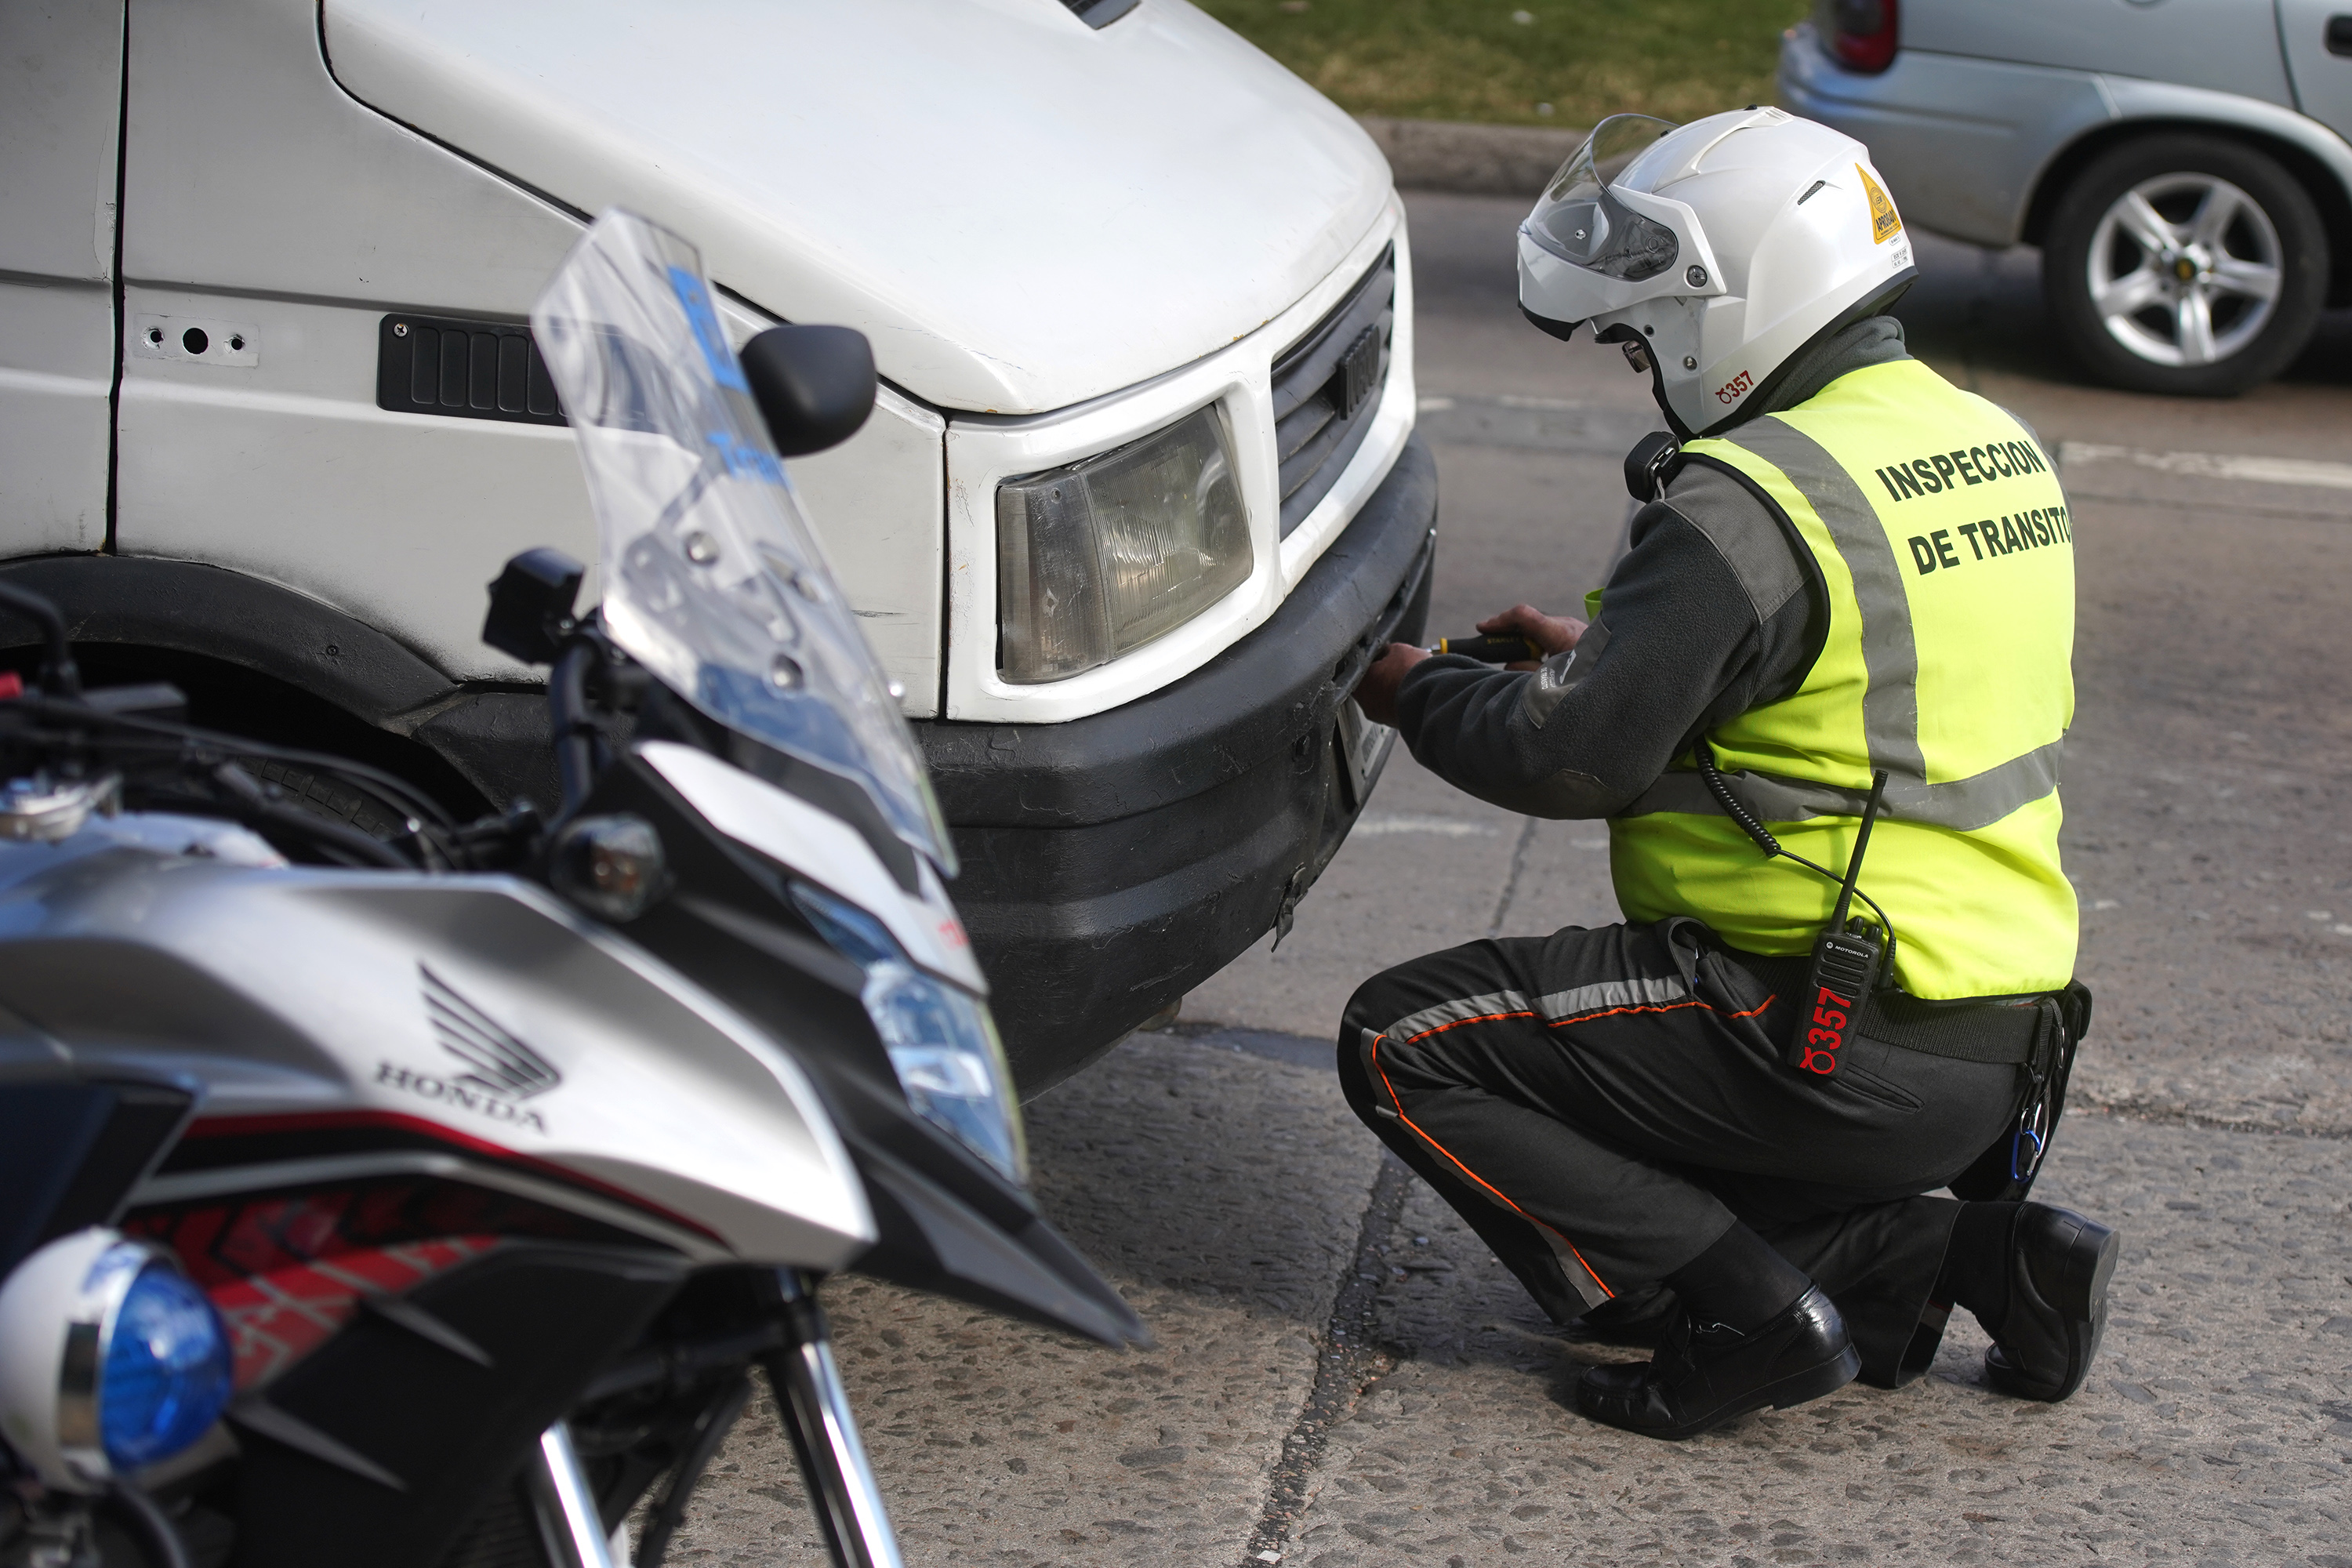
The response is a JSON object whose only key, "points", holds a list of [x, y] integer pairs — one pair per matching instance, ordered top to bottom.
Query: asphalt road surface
{"points": [[1346, 1377]]}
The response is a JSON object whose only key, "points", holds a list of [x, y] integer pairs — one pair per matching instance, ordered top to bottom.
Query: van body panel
{"points": [[60, 108], [251, 173], [257, 192], [1151, 192], [283, 207], [877, 503], [391, 517]]}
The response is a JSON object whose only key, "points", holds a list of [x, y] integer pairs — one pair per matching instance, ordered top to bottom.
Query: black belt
{"points": [[2001, 1031], [2005, 1032], [2037, 1034]]}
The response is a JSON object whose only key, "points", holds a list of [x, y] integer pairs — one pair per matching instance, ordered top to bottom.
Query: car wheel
{"points": [[2185, 264]]}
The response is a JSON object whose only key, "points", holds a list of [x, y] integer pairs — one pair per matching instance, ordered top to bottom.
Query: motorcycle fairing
{"points": [[476, 1006], [945, 1222], [352, 1458]]}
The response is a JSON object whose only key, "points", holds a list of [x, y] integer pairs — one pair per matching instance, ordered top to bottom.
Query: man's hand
{"points": [[1553, 634], [1376, 693]]}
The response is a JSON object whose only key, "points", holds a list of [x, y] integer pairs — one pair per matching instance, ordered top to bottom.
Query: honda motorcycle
{"points": [[432, 1197]]}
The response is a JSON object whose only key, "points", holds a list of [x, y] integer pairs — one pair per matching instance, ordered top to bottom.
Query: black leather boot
{"points": [[2059, 1267], [1701, 1378]]}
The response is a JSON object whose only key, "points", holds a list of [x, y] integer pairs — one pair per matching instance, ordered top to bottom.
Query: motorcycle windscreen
{"points": [[711, 578]]}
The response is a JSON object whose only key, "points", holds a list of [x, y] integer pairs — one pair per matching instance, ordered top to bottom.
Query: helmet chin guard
{"points": [[1723, 246]]}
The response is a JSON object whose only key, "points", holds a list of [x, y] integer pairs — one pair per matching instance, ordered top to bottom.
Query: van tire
{"points": [[2098, 247]]}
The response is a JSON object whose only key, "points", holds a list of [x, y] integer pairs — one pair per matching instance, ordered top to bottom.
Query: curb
{"points": [[1470, 160]]}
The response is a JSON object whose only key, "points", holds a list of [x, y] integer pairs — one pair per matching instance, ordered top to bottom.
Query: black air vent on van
{"points": [[1100, 13], [463, 370], [1327, 386]]}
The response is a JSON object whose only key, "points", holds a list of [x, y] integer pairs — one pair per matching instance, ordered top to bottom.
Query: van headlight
{"points": [[1100, 557], [942, 1041]]}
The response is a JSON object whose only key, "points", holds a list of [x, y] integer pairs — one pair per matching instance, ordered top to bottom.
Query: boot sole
{"points": [[2090, 1264], [1797, 1388]]}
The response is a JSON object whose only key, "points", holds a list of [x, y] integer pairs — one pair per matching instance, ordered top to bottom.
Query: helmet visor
{"points": [[1582, 223]]}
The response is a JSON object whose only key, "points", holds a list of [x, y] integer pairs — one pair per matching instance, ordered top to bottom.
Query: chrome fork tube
{"points": [[815, 1408], [567, 1504]]}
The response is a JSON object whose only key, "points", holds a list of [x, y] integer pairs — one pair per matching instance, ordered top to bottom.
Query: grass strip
{"points": [[1523, 62]]}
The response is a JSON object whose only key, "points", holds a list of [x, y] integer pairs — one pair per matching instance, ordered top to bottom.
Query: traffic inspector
{"points": [[1820, 703]]}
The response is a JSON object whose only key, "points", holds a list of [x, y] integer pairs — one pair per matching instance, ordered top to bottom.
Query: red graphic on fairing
{"points": [[288, 1270], [278, 1318]]}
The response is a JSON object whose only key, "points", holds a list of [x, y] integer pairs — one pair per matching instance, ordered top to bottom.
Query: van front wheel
{"points": [[2185, 264]]}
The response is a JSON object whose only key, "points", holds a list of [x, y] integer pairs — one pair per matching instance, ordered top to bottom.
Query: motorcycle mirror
{"points": [[814, 385], [530, 605]]}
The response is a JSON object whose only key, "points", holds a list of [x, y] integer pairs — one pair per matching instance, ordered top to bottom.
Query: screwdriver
{"points": [[1505, 647]]}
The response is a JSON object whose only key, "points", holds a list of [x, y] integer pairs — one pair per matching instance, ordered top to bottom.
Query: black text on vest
{"points": [[1941, 471], [1991, 539]]}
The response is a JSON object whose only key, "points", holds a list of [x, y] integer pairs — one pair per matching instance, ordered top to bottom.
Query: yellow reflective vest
{"points": [[1945, 556]]}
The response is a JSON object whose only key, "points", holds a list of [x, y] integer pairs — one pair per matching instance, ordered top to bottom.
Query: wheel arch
{"points": [[2323, 184], [267, 661]]}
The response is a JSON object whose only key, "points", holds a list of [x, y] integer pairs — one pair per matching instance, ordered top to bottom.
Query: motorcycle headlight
{"points": [[1100, 557], [942, 1041], [110, 1359], [166, 1371]]}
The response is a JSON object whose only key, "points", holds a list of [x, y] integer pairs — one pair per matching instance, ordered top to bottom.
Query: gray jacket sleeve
{"points": [[1710, 612]]}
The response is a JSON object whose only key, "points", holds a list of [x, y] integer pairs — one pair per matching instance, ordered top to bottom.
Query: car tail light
{"points": [[1862, 35]]}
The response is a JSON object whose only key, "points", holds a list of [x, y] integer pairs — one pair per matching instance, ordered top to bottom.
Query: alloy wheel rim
{"points": [[2185, 270]]}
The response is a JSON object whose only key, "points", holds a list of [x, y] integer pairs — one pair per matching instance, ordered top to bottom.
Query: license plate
{"points": [[1364, 751]]}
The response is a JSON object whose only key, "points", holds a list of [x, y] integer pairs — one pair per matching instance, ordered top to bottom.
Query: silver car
{"points": [[2182, 164]]}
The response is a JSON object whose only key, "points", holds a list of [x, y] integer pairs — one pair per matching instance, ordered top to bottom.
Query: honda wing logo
{"points": [[499, 1063], [498, 1072]]}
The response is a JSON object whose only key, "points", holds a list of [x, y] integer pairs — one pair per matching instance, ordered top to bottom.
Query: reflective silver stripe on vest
{"points": [[1890, 658], [1890, 704], [1962, 805]]}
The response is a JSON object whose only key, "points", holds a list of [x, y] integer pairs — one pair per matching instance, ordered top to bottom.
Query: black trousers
{"points": [[1602, 1105]]}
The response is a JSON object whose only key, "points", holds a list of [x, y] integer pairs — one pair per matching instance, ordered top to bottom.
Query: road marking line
{"points": [[1433, 404], [1602, 420], [2305, 472], [1443, 827]]}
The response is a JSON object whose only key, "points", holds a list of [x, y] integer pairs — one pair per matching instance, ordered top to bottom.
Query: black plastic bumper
{"points": [[1112, 863]]}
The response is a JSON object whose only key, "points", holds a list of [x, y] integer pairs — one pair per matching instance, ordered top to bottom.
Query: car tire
{"points": [[2184, 264]]}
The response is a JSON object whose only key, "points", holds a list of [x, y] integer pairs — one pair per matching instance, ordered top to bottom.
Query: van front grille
{"points": [[1327, 386]]}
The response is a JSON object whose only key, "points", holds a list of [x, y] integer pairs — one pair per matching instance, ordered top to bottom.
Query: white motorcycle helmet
{"points": [[1714, 251]]}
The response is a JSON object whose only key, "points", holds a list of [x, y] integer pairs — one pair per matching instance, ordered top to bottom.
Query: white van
{"points": [[1141, 499]]}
